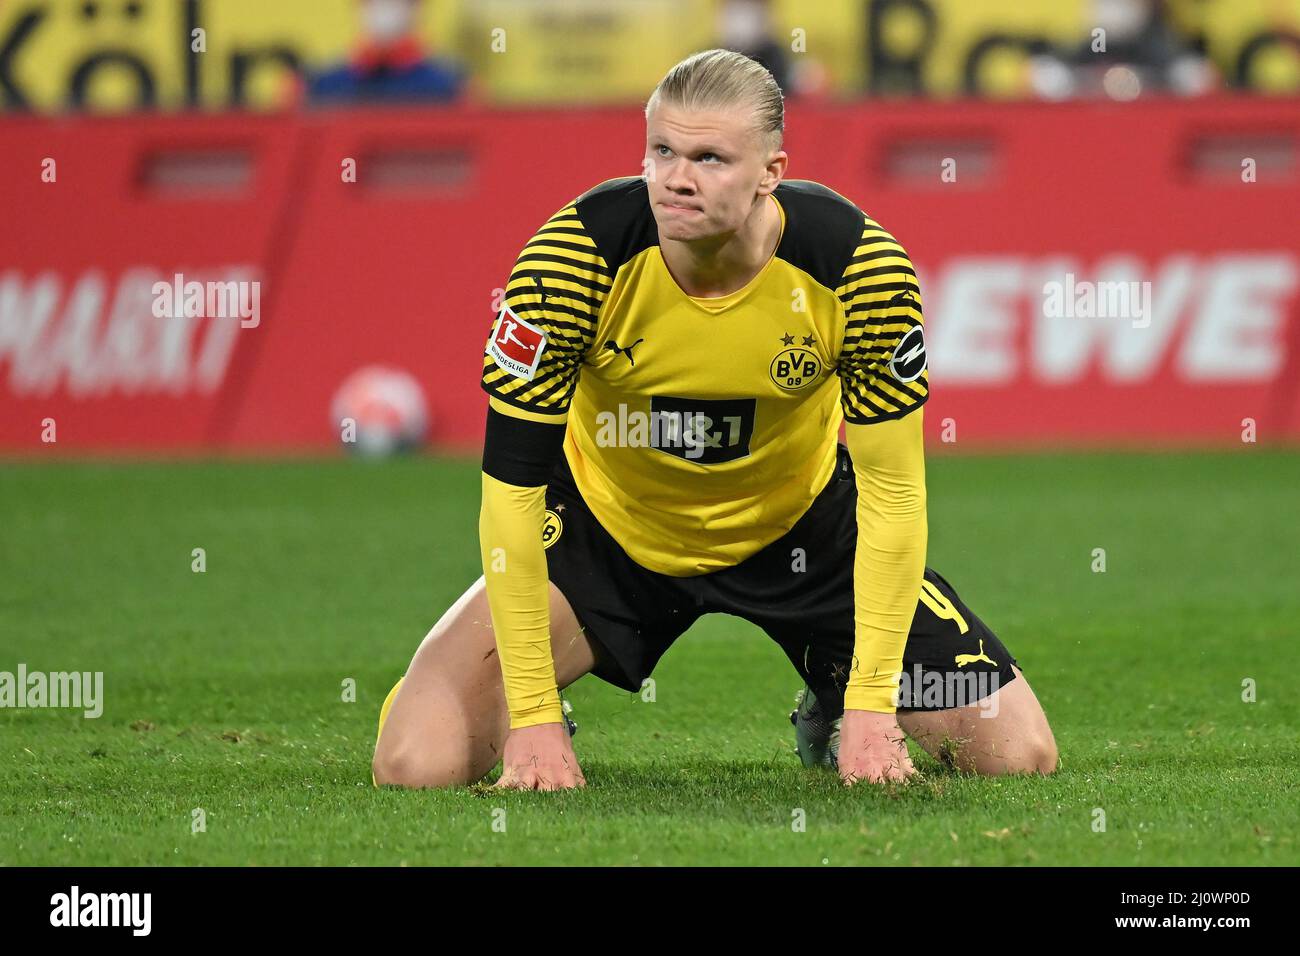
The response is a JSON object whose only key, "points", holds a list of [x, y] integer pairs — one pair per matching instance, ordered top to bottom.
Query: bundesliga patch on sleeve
{"points": [[516, 345]]}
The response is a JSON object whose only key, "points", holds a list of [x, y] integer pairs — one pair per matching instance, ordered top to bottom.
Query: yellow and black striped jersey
{"points": [[699, 430]]}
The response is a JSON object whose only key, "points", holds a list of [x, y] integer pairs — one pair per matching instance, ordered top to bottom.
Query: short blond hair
{"points": [[724, 79]]}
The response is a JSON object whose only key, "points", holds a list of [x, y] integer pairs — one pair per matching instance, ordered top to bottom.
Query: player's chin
{"points": [[668, 226], [680, 231]]}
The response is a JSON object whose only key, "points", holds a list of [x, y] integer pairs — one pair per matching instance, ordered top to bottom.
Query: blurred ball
{"points": [[1051, 79], [1122, 83], [380, 411]]}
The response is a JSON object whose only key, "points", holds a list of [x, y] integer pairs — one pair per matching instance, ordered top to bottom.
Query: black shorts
{"points": [[798, 589]]}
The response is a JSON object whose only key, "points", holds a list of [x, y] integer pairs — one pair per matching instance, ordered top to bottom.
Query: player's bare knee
{"points": [[1043, 752], [1037, 756], [1045, 758], [399, 763], [391, 765], [403, 767], [386, 770]]}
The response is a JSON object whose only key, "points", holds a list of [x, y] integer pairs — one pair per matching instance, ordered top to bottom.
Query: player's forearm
{"points": [[520, 450], [889, 464], [514, 567]]}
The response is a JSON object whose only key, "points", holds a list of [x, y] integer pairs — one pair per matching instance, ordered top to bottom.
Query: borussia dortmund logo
{"points": [[795, 366], [552, 528]]}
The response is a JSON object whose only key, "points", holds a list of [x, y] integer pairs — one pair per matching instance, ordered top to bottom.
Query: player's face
{"points": [[706, 171]]}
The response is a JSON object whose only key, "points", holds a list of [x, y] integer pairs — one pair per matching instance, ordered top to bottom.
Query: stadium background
{"points": [[398, 264], [1169, 444]]}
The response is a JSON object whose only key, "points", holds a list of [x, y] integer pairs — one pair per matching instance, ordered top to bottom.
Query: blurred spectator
{"points": [[745, 26], [1131, 50], [391, 64]]}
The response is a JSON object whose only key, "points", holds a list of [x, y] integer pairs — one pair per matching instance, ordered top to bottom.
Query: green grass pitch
{"points": [[223, 689]]}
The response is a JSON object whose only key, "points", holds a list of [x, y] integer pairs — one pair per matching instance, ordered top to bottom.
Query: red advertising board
{"points": [[1092, 273]]}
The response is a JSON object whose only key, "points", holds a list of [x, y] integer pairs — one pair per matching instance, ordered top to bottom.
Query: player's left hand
{"points": [[872, 748], [540, 757]]}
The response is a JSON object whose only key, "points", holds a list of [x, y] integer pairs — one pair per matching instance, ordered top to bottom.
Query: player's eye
{"points": [[662, 150], [707, 156]]}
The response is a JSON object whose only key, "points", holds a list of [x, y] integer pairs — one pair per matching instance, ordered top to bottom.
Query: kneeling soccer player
{"points": [[667, 379]]}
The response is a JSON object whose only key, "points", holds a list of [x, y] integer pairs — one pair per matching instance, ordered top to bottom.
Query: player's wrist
{"points": [[876, 700], [538, 718], [869, 721], [548, 734]]}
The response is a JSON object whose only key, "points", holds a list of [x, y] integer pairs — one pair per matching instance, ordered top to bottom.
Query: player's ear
{"points": [[774, 172]]}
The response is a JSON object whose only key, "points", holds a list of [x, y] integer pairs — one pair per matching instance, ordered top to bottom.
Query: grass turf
{"points": [[223, 689]]}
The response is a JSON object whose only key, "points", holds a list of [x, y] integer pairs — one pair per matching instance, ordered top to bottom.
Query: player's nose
{"points": [[677, 180]]}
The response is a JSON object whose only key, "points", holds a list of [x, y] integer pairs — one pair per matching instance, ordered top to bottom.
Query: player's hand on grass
{"points": [[872, 748], [540, 757]]}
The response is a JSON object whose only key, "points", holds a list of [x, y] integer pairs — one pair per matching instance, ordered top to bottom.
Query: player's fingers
{"points": [[868, 770], [900, 770], [876, 773], [572, 774], [558, 777], [531, 778], [525, 779], [565, 779]]}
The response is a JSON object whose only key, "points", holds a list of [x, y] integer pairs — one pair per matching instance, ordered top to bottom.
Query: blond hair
{"points": [[723, 79]]}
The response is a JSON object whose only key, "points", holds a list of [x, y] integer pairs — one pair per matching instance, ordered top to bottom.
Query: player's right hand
{"points": [[872, 748], [540, 757]]}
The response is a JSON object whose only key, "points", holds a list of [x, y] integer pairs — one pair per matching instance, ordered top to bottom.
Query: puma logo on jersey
{"points": [[541, 288], [620, 350], [964, 659]]}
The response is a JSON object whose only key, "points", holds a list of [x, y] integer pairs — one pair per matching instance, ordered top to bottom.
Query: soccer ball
{"points": [[379, 411]]}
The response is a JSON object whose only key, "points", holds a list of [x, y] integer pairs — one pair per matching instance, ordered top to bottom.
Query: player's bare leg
{"points": [[448, 722], [1010, 735]]}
